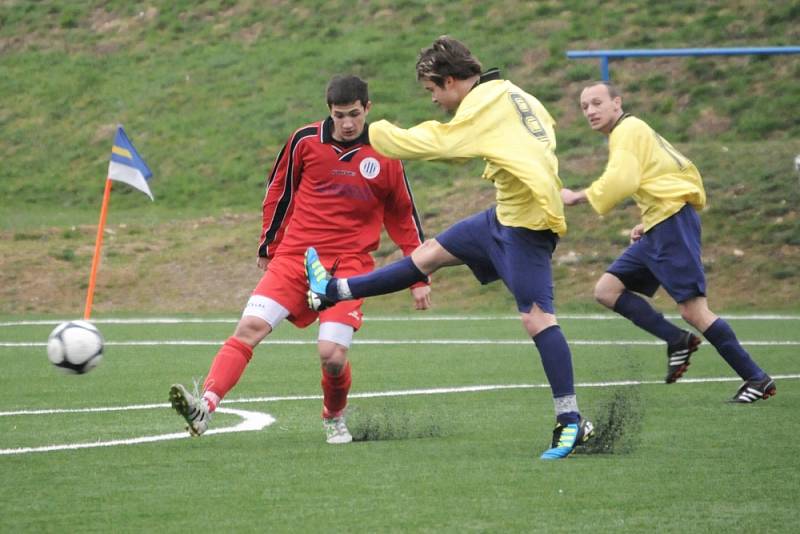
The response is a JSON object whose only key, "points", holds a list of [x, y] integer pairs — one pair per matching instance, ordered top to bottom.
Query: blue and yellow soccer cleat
{"points": [[318, 278], [567, 437]]}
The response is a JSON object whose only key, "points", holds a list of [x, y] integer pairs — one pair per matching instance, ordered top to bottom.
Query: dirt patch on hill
{"points": [[208, 266]]}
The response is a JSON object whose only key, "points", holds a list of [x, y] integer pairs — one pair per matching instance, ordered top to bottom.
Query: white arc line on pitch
{"points": [[251, 421], [254, 421]]}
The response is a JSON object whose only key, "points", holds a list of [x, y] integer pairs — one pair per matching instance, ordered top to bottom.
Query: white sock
{"points": [[343, 288]]}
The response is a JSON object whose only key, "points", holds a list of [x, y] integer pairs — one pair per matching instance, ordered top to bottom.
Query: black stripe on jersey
{"points": [[347, 156], [275, 166], [286, 196], [414, 213]]}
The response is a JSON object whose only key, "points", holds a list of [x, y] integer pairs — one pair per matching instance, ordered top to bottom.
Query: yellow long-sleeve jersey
{"points": [[510, 130], [643, 165]]}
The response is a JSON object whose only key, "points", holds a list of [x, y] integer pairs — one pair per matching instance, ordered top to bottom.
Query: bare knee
{"points": [[430, 256], [607, 290], [605, 298], [696, 313], [537, 320], [252, 330], [332, 357]]}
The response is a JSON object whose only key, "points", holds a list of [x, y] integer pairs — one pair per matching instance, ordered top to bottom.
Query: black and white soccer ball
{"points": [[75, 347]]}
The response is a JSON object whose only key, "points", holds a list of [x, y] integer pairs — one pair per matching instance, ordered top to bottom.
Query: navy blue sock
{"points": [[388, 279], [639, 311], [721, 335], [557, 363]]}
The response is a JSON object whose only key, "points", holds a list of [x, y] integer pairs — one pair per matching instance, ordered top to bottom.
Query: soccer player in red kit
{"points": [[329, 188]]}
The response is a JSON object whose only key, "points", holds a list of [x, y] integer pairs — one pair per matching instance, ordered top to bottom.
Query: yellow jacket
{"points": [[509, 129], [642, 164]]}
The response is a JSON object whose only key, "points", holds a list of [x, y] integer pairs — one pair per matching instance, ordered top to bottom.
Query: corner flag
{"points": [[127, 165]]}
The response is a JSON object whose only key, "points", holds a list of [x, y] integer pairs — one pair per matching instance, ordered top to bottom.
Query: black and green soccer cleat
{"points": [[567, 437]]}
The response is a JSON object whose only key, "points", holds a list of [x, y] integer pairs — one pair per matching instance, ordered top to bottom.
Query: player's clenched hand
{"points": [[570, 197], [637, 232], [262, 263], [422, 297]]}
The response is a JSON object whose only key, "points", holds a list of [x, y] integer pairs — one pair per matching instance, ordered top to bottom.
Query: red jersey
{"points": [[335, 197]]}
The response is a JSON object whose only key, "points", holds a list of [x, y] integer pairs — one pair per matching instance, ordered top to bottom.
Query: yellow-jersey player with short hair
{"points": [[643, 165], [666, 247]]}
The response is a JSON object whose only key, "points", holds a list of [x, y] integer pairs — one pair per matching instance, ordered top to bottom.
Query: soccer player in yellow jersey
{"points": [[496, 121], [665, 247]]}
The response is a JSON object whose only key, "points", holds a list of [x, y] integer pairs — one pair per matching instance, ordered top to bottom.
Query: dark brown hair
{"points": [[446, 57], [346, 90]]}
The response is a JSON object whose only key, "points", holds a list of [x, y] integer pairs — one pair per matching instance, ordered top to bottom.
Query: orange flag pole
{"points": [[98, 244]]}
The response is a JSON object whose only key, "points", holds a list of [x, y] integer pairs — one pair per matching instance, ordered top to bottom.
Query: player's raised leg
{"points": [[325, 290]]}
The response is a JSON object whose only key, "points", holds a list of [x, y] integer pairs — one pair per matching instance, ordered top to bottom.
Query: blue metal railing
{"points": [[606, 55]]}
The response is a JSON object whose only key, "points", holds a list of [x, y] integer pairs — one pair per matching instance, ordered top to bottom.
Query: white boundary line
{"points": [[390, 318], [200, 343], [496, 387], [391, 393], [251, 421]]}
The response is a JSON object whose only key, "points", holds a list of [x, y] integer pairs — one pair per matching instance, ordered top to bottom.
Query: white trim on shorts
{"points": [[265, 308], [339, 333]]}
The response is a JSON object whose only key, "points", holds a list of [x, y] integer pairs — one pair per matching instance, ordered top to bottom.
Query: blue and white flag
{"points": [[127, 165]]}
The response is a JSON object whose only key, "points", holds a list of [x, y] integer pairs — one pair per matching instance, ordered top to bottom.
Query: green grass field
{"points": [[441, 453]]}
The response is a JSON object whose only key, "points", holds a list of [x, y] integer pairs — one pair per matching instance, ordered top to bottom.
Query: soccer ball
{"points": [[75, 347]]}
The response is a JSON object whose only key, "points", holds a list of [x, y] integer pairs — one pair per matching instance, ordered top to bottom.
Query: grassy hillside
{"points": [[209, 91]]}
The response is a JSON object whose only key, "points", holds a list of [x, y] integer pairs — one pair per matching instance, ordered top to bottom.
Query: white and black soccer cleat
{"points": [[678, 355], [753, 390], [192, 408]]}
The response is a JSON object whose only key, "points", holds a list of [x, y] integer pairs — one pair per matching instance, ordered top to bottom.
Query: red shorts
{"points": [[285, 282]]}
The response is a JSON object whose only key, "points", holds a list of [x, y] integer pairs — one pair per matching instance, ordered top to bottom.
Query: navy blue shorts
{"points": [[668, 255], [518, 256]]}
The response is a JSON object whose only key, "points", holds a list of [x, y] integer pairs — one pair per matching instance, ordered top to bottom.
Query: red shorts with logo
{"points": [[285, 282]]}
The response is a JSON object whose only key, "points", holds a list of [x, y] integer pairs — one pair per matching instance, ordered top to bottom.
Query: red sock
{"points": [[226, 369], [334, 392]]}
